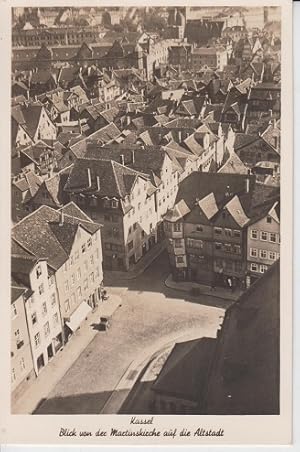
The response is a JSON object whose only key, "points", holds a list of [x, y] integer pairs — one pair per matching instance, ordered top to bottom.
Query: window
{"points": [[114, 203], [269, 219], [134, 226], [177, 227], [199, 228], [115, 232], [228, 232], [236, 233], [254, 234], [264, 236], [273, 237], [89, 243], [178, 243], [193, 243], [130, 245], [218, 246], [83, 248], [227, 248], [237, 249], [253, 252], [263, 254], [272, 256], [92, 259], [179, 259], [71, 261], [66, 267], [254, 267], [263, 268], [38, 271], [78, 274], [92, 278], [72, 279], [51, 281], [85, 284], [66, 286], [41, 289], [79, 292], [73, 299], [53, 300], [67, 305], [44, 309], [14, 311], [33, 318], [55, 319], [46, 329], [37, 339], [22, 364]]}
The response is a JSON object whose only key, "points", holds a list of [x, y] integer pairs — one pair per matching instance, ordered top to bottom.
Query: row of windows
{"points": [[227, 232], [264, 236], [84, 247], [228, 248], [264, 254], [228, 265], [259, 268], [77, 275], [78, 293], [34, 318], [46, 330]]}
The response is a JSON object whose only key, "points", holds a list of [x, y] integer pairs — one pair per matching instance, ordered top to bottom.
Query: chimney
{"points": [[79, 126], [132, 157], [122, 160], [89, 178], [98, 183], [247, 184], [227, 192], [61, 219]]}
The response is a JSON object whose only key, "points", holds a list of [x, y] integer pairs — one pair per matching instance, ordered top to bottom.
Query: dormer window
{"points": [[114, 203]]}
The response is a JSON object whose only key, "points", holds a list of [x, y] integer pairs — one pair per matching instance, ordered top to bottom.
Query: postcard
{"points": [[146, 223]]}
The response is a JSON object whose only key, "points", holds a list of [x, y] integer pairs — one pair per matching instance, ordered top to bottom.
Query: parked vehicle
{"points": [[105, 323]]}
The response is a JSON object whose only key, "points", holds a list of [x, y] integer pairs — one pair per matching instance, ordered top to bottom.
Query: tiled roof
{"points": [[233, 165], [115, 179], [236, 210], [35, 232]]}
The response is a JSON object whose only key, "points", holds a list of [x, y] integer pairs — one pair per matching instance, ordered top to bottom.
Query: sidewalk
{"points": [[111, 275], [217, 292], [60, 364]]}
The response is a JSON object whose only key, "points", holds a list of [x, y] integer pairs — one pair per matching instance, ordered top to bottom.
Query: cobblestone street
{"points": [[150, 314]]}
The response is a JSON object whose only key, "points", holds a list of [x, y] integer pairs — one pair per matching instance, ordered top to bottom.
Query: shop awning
{"points": [[78, 315]]}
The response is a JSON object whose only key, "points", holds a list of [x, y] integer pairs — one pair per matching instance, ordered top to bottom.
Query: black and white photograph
{"points": [[145, 204]]}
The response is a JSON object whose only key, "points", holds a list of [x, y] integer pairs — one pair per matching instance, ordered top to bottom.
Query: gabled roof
{"points": [[115, 180], [208, 205], [236, 210], [36, 234]]}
